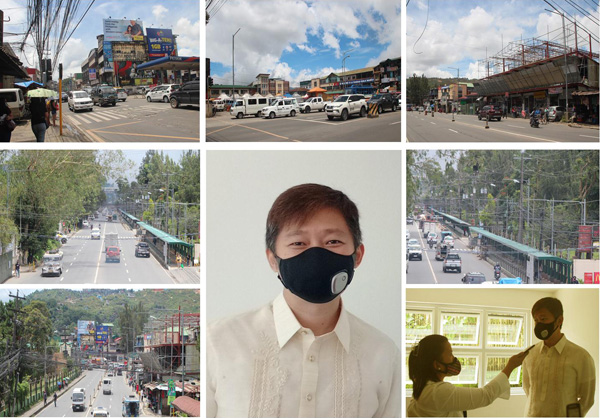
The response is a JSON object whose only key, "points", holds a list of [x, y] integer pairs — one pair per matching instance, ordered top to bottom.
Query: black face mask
{"points": [[316, 275], [544, 331], [452, 369]]}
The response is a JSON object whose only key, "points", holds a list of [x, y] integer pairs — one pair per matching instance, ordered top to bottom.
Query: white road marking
{"points": [[433, 123], [515, 126], [453, 131], [587, 136], [67, 271], [126, 271], [62, 278], [129, 278]]}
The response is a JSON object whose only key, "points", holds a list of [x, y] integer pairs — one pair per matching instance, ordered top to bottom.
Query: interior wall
{"points": [[578, 304]]}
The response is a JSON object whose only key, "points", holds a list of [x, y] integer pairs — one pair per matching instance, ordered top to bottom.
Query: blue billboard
{"points": [[160, 43], [102, 334]]}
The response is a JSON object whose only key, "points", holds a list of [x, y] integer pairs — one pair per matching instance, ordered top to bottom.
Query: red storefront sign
{"points": [[584, 242], [588, 278]]}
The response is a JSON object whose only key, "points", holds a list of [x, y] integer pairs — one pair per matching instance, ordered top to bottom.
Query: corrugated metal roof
{"points": [[169, 239]]}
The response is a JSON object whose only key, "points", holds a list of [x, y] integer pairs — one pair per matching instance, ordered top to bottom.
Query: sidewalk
{"points": [[23, 133], [186, 275], [38, 407]]}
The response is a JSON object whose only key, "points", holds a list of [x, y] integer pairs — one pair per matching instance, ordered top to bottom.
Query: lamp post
{"points": [[233, 62]]}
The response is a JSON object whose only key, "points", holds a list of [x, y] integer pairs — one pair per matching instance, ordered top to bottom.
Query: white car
{"points": [[161, 93], [121, 94], [80, 100], [280, 107], [85, 223], [95, 233], [412, 241], [449, 241]]}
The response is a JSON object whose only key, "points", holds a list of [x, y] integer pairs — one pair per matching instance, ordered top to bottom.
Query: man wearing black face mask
{"points": [[304, 355], [557, 375]]}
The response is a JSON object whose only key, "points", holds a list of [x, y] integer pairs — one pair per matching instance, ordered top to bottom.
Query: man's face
{"points": [[132, 22], [326, 229], [544, 316]]}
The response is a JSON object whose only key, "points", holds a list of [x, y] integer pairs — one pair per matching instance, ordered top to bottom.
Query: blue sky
{"points": [[182, 16], [461, 32], [300, 39]]}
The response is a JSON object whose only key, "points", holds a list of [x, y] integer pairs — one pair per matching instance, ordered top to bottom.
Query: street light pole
{"points": [[233, 62]]}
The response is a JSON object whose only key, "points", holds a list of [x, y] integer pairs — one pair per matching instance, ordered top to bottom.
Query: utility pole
{"points": [[233, 62], [520, 233], [15, 311]]}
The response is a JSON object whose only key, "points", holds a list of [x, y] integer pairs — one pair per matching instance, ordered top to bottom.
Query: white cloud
{"points": [[159, 11], [189, 35], [332, 42], [355, 44], [307, 48]]}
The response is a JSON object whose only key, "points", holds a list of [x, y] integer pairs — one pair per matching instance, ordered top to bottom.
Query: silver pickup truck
{"points": [[452, 262]]}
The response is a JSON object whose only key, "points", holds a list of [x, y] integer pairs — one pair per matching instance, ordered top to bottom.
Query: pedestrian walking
{"points": [[52, 107], [39, 118], [7, 125], [18, 270], [45, 398], [55, 399]]}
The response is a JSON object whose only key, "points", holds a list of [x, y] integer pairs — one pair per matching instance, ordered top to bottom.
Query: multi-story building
{"points": [[89, 69], [387, 75]]}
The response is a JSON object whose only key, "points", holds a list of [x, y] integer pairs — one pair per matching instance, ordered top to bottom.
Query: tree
{"points": [[417, 89], [37, 326]]}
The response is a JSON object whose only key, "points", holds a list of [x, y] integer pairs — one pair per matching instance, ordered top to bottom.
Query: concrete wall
{"points": [[6, 266]]}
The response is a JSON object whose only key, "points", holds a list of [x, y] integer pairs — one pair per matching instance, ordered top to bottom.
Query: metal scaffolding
{"points": [[528, 51]]}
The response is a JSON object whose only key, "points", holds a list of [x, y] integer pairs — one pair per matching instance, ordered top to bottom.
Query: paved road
{"points": [[136, 120], [304, 127], [467, 128], [84, 262], [429, 270], [112, 403]]}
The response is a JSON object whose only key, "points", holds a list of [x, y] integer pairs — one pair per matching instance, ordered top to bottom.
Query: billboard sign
{"points": [[118, 30], [160, 43], [107, 47], [92, 73], [584, 242], [102, 334]]}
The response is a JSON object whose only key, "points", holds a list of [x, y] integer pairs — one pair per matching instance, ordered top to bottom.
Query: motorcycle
{"points": [[534, 121], [430, 244], [497, 275]]}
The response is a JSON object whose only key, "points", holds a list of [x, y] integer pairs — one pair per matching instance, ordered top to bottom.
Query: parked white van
{"points": [[15, 101], [249, 106], [281, 107], [106, 386]]}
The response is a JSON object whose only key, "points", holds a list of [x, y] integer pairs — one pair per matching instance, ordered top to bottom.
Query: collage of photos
{"points": [[172, 250]]}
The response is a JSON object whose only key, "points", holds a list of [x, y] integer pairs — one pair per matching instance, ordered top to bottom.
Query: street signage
{"points": [[171, 392]]}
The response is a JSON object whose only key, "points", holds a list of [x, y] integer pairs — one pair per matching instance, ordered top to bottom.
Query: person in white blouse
{"points": [[304, 354], [430, 362], [559, 376]]}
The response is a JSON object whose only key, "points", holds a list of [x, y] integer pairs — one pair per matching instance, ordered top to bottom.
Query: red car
{"points": [[490, 112]]}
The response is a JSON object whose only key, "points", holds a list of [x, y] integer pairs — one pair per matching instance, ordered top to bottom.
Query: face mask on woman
{"points": [[452, 369]]}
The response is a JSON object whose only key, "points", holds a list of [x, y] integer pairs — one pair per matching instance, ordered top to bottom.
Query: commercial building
{"points": [[537, 73]]}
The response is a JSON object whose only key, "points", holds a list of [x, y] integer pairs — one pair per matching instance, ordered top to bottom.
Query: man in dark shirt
{"points": [[39, 118]]}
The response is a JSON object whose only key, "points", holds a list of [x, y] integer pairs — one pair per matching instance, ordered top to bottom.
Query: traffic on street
{"points": [[129, 79], [308, 83], [304, 127], [444, 127], [100, 217], [83, 259], [429, 269]]}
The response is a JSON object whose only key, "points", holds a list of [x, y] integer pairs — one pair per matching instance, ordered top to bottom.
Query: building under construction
{"points": [[561, 70]]}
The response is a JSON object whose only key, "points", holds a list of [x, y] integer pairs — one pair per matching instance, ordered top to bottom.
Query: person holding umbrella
{"points": [[39, 112]]}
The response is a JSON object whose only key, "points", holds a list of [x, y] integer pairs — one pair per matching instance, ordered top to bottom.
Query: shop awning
{"points": [[8, 65], [26, 84], [317, 90], [586, 93], [187, 405]]}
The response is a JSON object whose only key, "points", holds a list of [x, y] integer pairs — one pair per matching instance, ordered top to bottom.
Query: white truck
{"points": [[314, 103], [347, 105], [111, 239], [106, 386], [78, 399]]}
